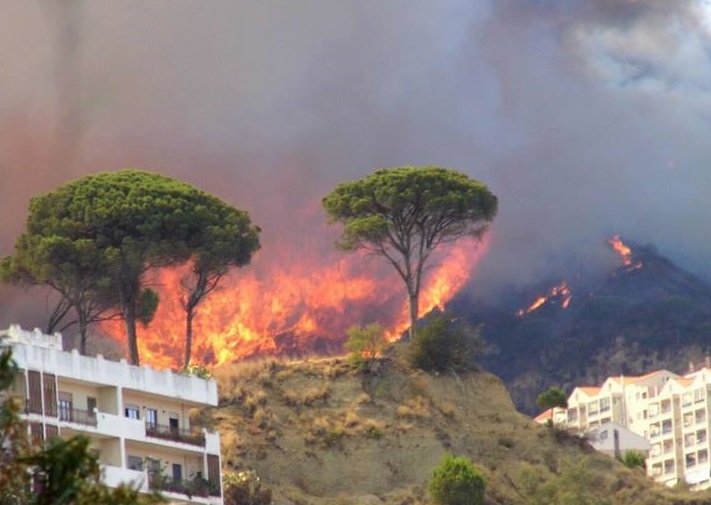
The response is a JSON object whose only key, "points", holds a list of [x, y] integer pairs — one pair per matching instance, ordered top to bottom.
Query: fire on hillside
{"points": [[625, 253], [560, 293], [297, 308]]}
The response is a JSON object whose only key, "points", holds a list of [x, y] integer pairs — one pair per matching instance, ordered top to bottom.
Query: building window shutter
{"points": [[35, 388], [50, 395], [52, 431], [36, 433], [213, 471]]}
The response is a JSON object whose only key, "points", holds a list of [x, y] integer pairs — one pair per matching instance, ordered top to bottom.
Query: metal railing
{"points": [[77, 416], [175, 434], [195, 487]]}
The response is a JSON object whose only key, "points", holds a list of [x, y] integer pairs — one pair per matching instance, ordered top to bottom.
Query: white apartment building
{"points": [[670, 411], [136, 417]]}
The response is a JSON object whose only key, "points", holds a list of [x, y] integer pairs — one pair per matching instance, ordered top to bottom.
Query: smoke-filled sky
{"points": [[585, 117]]}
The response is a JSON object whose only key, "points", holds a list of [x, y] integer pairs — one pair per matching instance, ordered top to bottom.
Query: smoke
{"points": [[586, 118]]}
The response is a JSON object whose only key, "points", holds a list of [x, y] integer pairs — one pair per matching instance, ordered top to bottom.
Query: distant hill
{"points": [[644, 315], [318, 432]]}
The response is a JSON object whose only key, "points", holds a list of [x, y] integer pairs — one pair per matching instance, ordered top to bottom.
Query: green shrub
{"points": [[443, 344], [366, 345], [634, 459], [456, 481]]}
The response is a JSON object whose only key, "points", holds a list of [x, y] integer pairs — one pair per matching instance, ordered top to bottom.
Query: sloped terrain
{"points": [[640, 317], [319, 432]]}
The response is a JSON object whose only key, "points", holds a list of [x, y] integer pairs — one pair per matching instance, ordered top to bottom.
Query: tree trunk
{"points": [[413, 302], [190, 314], [129, 316], [81, 319]]}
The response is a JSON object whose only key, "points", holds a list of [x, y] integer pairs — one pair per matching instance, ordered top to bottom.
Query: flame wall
{"points": [[298, 308]]}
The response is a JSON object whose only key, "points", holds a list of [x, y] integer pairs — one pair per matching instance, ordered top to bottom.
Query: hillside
{"points": [[646, 314], [317, 432]]}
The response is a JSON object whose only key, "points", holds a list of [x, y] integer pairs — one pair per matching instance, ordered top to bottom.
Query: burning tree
{"points": [[403, 214], [94, 239], [228, 241]]}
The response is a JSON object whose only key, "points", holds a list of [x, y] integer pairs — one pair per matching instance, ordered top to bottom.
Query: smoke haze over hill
{"points": [[586, 118]]}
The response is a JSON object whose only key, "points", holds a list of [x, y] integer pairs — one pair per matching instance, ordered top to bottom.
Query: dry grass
{"points": [[416, 408], [319, 433]]}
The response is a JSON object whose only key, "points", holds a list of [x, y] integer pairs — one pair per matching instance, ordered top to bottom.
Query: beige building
{"points": [[670, 411], [136, 417]]}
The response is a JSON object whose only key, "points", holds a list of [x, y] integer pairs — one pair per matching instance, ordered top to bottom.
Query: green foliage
{"points": [[403, 214], [93, 239], [148, 302], [444, 344], [366, 345], [552, 398], [634, 459], [67, 471], [456, 481], [574, 484], [245, 488]]}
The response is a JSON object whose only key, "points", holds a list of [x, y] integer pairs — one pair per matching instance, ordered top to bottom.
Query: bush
{"points": [[444, 344], [366, 345], [634, 459], [457, 482], [244, 488]]}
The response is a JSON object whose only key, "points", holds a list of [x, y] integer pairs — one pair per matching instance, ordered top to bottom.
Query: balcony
{"points": [[77, 416], [175, 434], [198, 486]]}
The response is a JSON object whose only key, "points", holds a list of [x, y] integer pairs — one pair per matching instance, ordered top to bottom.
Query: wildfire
{"points": [[625, 252], [561, 291], [293, 309]]}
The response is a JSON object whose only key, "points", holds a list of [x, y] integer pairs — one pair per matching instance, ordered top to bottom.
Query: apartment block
{"points": [[670, 411], [137, 418]]}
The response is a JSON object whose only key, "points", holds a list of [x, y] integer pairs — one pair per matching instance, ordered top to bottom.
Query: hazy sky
{"points": [[586, 118]]}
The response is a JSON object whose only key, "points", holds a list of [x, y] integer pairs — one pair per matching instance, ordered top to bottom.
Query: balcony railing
{"points": [[77, 416], [175, 434], [195, 487]]}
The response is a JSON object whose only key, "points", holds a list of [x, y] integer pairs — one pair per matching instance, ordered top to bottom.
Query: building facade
{"points": [[670, 411], [137, 418]]}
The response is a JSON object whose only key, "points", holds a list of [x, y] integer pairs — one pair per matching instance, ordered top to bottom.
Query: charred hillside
{"points": [[646, 314]]}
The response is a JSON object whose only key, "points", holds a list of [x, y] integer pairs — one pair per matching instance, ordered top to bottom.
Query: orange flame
{"points": [[625, 252], [561, 291], [295, 309]]}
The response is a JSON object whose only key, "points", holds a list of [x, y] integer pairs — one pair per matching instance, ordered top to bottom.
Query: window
{"points": [[699, 395], [686, 399], [604, 404], [65, 406], [91, 406], [592, 408], [132, 412], [700, 416], [151, 418], [173, 424], [602, 436], [703, 456], [690, 460], [134, 463], [177, 472]]}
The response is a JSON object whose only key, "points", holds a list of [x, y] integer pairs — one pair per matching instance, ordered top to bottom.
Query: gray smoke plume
{"points": [[586, 117]]}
